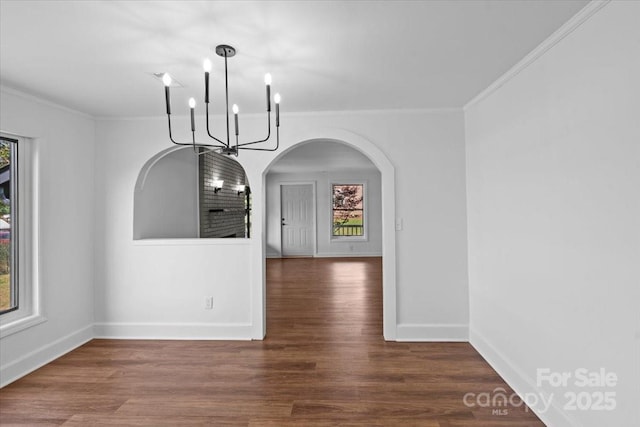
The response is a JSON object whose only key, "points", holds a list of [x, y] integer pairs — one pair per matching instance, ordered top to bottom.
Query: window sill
{"points": [[335, 239], [192, 242], [21, 324]]}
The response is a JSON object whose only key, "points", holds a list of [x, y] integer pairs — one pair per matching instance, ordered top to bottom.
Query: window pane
{"points": [[348, 211], [8, 289]]}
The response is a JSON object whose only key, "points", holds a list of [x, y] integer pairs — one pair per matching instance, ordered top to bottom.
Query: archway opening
{"points": [[358, 147]]}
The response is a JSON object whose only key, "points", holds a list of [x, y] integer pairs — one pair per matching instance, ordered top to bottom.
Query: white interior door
{"points": [[297, 219]]}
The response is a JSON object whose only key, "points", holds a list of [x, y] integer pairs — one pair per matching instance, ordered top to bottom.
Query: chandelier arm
{"points": [[207, 120], [268, 132], [170, 135], [193, 143], [199, 145], [259, 149], [265, 149]]}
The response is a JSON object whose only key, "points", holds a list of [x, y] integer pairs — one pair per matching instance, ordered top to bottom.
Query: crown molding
{"points": [[571, 25], [29, 97], [373, 112], [323, 113]]}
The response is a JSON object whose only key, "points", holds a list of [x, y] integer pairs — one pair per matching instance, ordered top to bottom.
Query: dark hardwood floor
{"points": [[323, 363]]}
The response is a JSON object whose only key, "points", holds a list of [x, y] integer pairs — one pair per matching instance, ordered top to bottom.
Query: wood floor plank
{"points": [[323, 363], [83, 420]]}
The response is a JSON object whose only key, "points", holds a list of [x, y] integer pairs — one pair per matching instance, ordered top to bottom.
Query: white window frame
{"points": [[365, 210], [28, 313]]}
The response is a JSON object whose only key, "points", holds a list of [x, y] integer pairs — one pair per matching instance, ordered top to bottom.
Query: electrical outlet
{"points": [[208, 303]]}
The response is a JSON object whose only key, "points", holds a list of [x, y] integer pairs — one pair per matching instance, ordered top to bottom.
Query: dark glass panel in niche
{"points": [[225, 198]]}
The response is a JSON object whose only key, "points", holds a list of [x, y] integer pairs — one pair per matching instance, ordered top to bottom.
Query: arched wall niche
{"points": [[175, 197]]}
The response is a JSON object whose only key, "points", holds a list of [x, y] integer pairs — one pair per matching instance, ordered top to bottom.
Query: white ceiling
{"points": [[98, 56]]}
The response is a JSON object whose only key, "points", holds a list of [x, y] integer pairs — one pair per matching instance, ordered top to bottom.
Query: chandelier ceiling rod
{"points": [[224, 51]]}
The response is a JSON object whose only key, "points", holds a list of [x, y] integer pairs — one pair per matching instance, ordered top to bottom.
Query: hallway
{"points": [[324, 299]]}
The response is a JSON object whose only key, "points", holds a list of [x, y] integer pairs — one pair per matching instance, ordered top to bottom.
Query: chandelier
{"points": [[222, 146]]}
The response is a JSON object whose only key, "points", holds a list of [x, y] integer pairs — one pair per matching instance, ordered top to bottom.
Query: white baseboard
{"points": [[336, 255], [349, 255], [173, 331], [433, 333], [45, 354], [520, 382]]}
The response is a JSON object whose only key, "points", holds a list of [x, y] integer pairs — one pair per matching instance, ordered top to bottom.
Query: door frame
{"points": [[314, 226]]}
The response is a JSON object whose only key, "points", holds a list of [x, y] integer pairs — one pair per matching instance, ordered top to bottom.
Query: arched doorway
{"points": [[387, 188]]}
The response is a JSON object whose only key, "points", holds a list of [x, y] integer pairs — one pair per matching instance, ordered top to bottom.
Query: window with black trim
{"points": [[348, 212], [9, 291]]}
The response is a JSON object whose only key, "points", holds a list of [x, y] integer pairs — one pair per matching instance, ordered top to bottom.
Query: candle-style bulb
{"points": [[207, 65], [166, 79], [267, 80], [276, 99], [192, 106], [235, 117]]}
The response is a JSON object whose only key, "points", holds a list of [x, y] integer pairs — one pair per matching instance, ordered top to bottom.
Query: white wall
{"points": [[63, 146], [553, 182], [166, 197], [325, 245], [137, 284], [157, 288]]}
